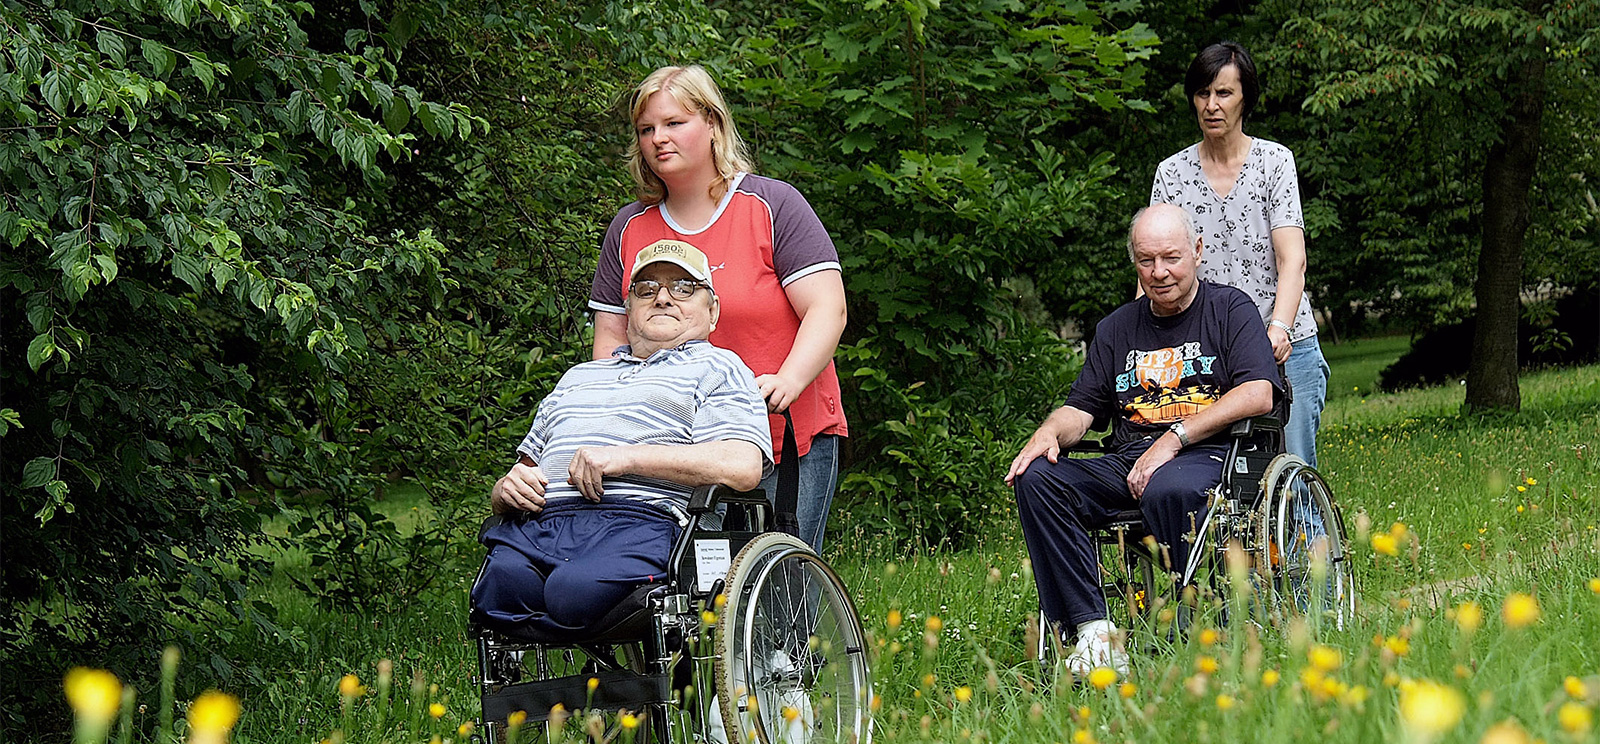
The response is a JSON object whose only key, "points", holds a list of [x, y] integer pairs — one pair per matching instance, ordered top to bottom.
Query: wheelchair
{"points": [[1271, 509], [748, 619]]}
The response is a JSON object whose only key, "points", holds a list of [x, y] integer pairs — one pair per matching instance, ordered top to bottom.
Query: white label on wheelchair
{"points": [[1240, 466], [711, 562]]}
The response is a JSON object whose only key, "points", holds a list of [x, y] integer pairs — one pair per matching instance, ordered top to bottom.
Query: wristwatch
{"points": [[1183, 434]]}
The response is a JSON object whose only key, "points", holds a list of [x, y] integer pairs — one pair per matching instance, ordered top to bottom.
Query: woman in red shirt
{"points": [[776, 270]]}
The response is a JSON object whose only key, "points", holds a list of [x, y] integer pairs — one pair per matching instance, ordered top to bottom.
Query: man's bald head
{"points": [[1159, 220]]}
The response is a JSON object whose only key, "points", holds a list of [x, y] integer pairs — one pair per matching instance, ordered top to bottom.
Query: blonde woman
{"points": [[777, 271]]}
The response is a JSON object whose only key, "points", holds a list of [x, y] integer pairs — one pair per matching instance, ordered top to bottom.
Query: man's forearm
{"points": [[1253, 398], [1068, 424], [734, 463]]}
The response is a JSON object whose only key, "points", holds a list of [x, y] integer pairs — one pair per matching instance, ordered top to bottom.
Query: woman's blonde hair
{"points": [[694, 90]]}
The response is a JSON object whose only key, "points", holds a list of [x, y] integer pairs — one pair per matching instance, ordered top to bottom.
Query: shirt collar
{"points": [[625, 352]]}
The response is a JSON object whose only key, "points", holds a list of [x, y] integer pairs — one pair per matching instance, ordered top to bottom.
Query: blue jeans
{"points": [[1308, 377], [819, 476]]}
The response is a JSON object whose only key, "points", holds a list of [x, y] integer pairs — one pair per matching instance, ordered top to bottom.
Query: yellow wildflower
{"points": [[1532, 482], [1521, 489], [1385, 544], [1594, 585], [720, 602], [1520, 610], [708, 617], [1469, 617], [893, 620], [934, 624], [1208, 637], [1397, 645], [1325, 658], [1206, 665], [1102, 677], [1269, 678], [593, 684], [350, 686], [1575, 688], [1128, 690], [963, 694], [95, 695], [1225, 702], [1429, 709], [436, 710], [212, 716], [517, 718], [1575, 718], [628, 721], [464, 730], [1505, 732]]}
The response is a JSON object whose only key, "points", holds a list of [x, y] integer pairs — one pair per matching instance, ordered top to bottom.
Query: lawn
{"points": [[1491, 508]]}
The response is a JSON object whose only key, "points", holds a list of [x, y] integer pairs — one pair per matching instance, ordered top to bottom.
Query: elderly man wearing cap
{"points": [[604, 474]]}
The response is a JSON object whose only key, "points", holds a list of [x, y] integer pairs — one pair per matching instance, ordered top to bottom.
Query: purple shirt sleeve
{"points": [[800, 244], [605, 293]]}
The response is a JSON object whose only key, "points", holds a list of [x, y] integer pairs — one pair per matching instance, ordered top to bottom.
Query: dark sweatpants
{"points": [[1059, 504], [565, 568]]}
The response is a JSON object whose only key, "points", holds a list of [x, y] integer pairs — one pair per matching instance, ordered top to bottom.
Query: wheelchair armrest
{"points": [[1245, 427], [1088, 447], [706, 498], [493, 520]]}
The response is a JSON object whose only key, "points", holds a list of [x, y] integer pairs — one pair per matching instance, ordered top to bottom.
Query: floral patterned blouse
{"points": [[1237, 229]]}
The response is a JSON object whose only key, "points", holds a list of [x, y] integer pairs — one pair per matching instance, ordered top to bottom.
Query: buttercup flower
{"points": [[1385, 544], [1594, 585], [1520, 610], [1469, 617], [893, 620], [934, 624], [1208, 637], [1325, 658], [1206, 665], [1102, 677], [1269, 678], [350, 686], [1575, 688], [1128, 690], [963, 694], [95, 695], [1225, 702], [1429, 709], [436, 710], [211, 717], [1575, 718], [631, 721], [1505, 732]]}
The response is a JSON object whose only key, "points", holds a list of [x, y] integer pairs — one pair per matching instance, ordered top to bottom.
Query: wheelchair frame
{"points": [[1248, 507], [670, 652]]}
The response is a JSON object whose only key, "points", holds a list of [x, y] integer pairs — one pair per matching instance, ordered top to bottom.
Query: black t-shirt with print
{"points": [[1150, 371]]}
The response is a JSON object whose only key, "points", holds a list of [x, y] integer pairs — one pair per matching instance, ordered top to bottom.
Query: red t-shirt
{"points": [[762, 237]]}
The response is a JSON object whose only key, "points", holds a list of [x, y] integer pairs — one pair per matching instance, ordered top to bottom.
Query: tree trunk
{"points": [[1507, 179]]}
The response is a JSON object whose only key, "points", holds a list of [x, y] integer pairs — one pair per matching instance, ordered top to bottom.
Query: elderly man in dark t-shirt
{"points": [[1173, 370]]}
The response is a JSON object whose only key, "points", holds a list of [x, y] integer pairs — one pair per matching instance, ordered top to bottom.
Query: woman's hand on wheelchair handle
{"points": [[521, 489]]}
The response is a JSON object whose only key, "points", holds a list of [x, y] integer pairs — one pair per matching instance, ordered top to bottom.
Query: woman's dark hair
{"points": [[1210, 61]]}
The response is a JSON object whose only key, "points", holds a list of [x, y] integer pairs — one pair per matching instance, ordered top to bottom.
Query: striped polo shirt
{"points": [[691, 394]]}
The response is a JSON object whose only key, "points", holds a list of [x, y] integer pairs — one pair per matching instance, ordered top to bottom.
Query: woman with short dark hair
{"points": [[1244, 196]]}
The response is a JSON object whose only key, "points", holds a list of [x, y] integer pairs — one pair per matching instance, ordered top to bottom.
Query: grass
{"points": [[1355, 364], [1472, 536]]}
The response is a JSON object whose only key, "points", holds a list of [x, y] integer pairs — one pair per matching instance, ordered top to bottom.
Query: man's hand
{"points": [[1281, 346], [778, 391], [1044, 442], [1160, 453], [591, 465], [522, 489]]}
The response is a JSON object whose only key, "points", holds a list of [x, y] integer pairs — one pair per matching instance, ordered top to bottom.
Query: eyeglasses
{"points": [[680, 289]]}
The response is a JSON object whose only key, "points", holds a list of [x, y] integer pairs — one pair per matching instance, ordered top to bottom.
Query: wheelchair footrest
{"points": [[617, 690]]}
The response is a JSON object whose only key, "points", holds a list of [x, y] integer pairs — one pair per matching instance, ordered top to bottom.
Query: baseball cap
{"points": [[676, 252]]}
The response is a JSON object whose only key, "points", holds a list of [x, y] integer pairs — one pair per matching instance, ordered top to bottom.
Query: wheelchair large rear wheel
{"points": [[1301, 545], [791, 656]]}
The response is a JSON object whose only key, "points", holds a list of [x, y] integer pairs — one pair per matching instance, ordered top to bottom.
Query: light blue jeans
{"points": [[1308, 377], [819, 476]]}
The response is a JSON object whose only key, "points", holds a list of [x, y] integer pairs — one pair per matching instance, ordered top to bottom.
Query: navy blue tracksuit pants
{"points": [[1060, 504], [566, 567]]}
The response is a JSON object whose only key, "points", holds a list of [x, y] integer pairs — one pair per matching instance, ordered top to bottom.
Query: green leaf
{"points": [[110, 44], [162, 60], [29, 61], [204, 71], [57, 91], [397, 116], [189, 269], [40, 350], [8, 419], [38, 471]]}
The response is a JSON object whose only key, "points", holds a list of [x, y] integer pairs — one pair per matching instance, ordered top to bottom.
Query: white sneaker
{"points": [[1099, 645]]}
